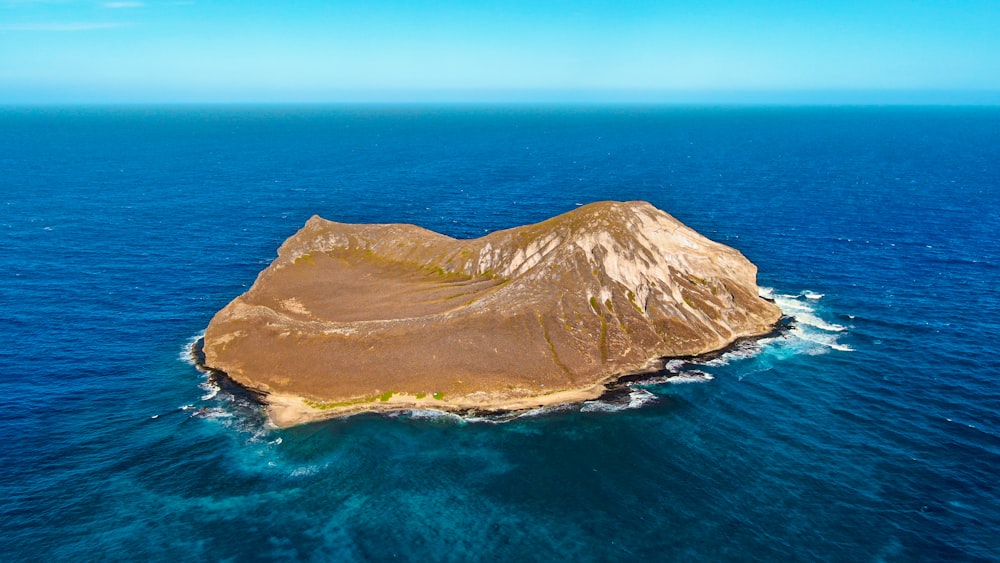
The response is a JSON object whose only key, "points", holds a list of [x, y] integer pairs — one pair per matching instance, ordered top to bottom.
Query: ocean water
{"points": [[868, 431]]}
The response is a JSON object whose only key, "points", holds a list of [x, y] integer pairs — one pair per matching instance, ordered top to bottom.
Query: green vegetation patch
{"points": [[631, 299], [323, 405]]}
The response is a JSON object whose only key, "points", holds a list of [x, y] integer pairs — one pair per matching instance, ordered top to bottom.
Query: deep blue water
{"points": [[870, 432]]}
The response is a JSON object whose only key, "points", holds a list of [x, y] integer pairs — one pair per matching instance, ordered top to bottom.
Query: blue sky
{"points": [[514, 50]]}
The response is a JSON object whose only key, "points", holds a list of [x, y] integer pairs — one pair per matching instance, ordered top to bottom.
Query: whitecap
{"points": [[791, 303], [812, 320], [812, 332], [822, 339], [691, 376], [211, 389], [639, 397], [601, 406], [214, 413], [429, 414], [258, 434], [304, 471]]}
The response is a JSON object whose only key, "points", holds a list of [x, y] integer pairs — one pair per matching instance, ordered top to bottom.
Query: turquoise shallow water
{"points": [[868, 431]]}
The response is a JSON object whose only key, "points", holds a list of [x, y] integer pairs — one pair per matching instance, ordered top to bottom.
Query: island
{"points": [[375, 317]]}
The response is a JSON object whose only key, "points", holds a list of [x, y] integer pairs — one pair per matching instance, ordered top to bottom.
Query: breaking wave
{"points": [[805, 331], [809, 332], [186, 353], [637, 397]]}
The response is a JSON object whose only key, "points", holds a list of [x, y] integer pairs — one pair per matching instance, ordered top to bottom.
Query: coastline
{"points": [[287, 410], [284, 411]]}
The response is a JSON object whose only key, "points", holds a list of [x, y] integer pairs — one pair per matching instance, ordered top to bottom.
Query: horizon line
{"points": [[482, 96], [525, 97]]}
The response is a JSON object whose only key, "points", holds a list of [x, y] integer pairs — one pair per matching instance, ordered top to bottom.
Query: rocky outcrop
{"points": [[363, 317]]}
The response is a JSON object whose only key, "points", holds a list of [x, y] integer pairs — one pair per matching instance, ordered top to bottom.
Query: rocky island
{"points": [[355, 318]]}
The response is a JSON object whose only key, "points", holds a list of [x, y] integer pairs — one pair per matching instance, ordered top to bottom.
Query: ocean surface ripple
{"points": [[868, 430]]}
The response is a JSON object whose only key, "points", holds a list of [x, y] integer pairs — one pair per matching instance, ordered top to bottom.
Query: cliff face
{"points": [[348, 313]]}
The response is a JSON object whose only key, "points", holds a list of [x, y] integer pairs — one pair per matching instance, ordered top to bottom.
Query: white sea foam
{"points": [[791, 304], [812, 320], [812, 333], [809, 334], [821, 339], [743, 351], [185, 354], [674, 366], [678, 376], [691, 376], [211, 389], [637, 398], [600, 406], [540, 411], [214, 413], [430, 414], [259, 434], [304, 471]]}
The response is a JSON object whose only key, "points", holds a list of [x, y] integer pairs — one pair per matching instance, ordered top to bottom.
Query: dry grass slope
{"points": [[372, 317]]}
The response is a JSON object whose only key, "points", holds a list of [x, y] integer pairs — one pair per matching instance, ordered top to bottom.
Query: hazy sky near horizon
{"points": [[397, 50]]}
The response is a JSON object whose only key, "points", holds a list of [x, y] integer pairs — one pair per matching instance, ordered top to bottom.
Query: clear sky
{"points": [[516, 50]]}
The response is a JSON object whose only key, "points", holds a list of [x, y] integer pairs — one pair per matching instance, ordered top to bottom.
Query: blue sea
{"points": [[868, 431]]}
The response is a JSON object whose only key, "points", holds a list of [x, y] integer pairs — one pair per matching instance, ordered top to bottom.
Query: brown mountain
{"points": [[368, 317]]}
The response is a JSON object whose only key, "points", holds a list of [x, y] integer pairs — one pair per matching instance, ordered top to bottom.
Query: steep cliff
{"points": [[359, 317]]}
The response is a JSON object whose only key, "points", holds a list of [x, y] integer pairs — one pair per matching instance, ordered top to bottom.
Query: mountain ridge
{"points": [[351, 312]]}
